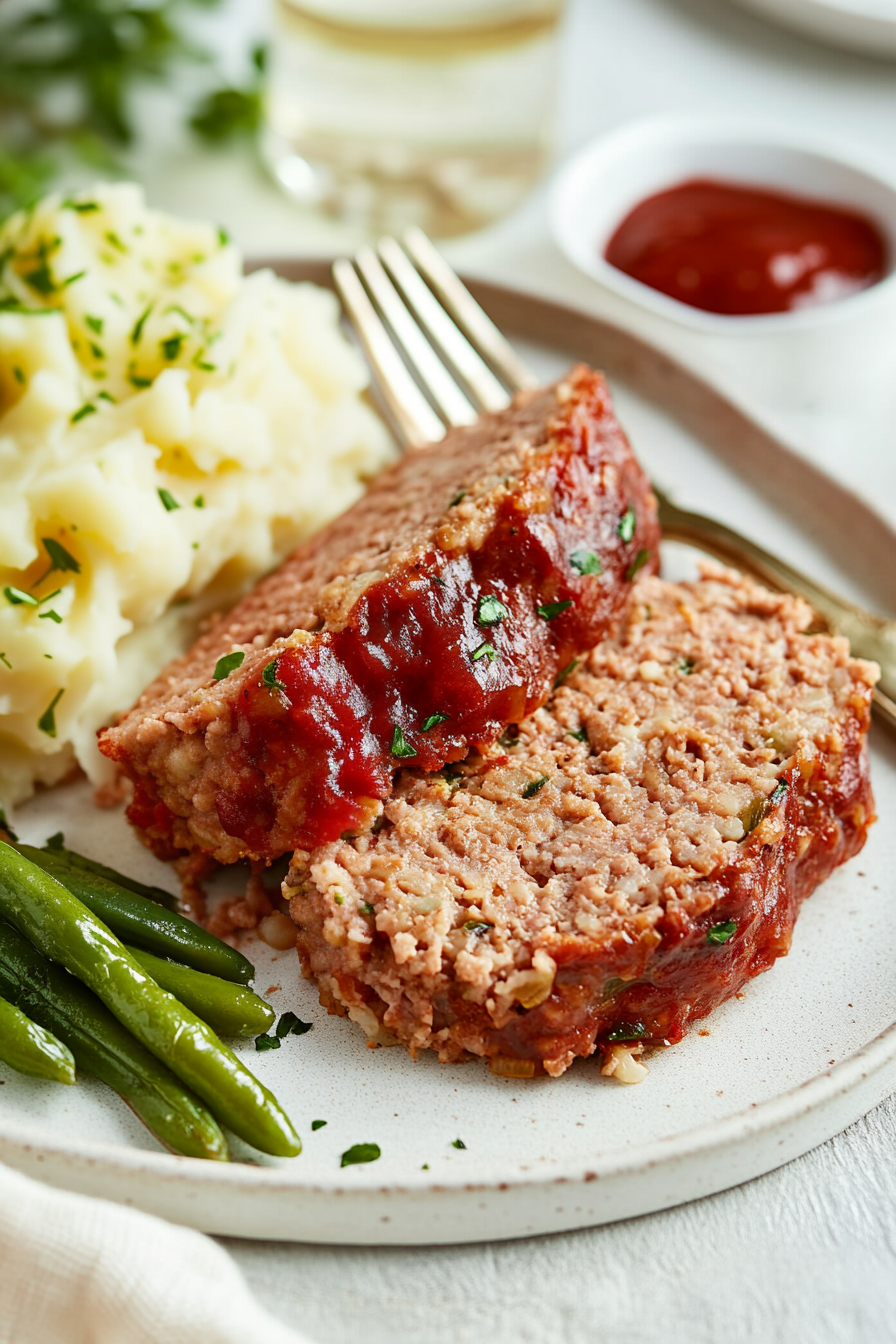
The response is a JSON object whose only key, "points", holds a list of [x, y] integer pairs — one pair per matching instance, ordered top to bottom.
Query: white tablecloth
{"points": [[804, 1254]]}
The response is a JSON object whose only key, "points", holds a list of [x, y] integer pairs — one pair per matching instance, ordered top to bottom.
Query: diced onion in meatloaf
{"points": [[439, 608], [623, 861]]}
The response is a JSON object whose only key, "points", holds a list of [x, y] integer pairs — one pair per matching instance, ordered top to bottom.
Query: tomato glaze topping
{"points": [[740, 250]]}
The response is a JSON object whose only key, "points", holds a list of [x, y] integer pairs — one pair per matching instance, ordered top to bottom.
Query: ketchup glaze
{"points": [[740, 250]]}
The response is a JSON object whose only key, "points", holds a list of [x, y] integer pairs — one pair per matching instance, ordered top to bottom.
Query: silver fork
{"points": [[409, 309]]}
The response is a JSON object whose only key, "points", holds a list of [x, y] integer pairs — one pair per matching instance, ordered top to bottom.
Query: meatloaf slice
{"points": [[438, 609], [623, 864]]}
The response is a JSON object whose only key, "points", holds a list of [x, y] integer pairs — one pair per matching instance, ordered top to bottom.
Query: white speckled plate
{"points": [[810, 1047]]}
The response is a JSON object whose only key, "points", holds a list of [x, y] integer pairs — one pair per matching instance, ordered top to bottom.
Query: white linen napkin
{"points": [[76, 1270]]}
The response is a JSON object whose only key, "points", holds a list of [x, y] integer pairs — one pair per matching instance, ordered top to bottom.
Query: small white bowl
{"points": [[792, 357]]}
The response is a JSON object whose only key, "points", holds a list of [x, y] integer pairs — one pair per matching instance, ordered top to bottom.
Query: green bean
{"points": [[55, 845], [142, 922], [65, 930], [230, 1010], [103, 1047], [30, 1048]]}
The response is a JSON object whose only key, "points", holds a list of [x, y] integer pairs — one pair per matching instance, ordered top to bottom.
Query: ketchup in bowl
{"points": [[741, 250]]}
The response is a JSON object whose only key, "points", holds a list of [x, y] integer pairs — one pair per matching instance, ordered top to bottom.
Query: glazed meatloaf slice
{"points": [[438, 609], [621, 865]]}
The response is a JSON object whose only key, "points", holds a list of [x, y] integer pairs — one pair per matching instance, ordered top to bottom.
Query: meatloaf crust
{"points": [[438, 609], [628, 862]]}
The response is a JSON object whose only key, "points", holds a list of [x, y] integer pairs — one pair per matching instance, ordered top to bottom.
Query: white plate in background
{"points": [[867, 26]]}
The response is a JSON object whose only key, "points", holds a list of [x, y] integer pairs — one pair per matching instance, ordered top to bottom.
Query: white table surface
{"points": [[808, 1252]]}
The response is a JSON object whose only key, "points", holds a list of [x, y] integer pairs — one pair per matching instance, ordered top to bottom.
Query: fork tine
{"points": [[470, 317], [475, 373], [452, 403], [417, 422]]}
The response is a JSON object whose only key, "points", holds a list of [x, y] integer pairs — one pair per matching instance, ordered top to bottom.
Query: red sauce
{"points": [[740, 250]]}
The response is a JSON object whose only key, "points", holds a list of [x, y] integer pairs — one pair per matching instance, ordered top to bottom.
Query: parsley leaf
{"points": [[87, 409], [168, 500], [625, 528], [60, 559], [640, 559], [585, 562], [17, 598], [492, 610], [549, 610], [485, 651], [228, 663], [565, 672], [269, 676], [432, 720], [47, 721], [400, 745], [534, 785], [478, 926], [720, 933], [291, 1025], [629, 1031], [267, 1042], [318, 1124], [458, 1143], [360, 1152]]}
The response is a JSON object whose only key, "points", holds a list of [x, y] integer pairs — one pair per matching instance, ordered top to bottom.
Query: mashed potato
{"points": [[168, 430]]}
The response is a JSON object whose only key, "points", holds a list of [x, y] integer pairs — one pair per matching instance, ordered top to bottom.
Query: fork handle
{"points": [[869, 636]]}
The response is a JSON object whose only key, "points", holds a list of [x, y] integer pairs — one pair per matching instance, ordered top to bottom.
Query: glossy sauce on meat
{"points": [[739, 250]]}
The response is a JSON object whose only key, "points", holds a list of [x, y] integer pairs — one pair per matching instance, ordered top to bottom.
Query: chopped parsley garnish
{"points": [[82, 207], [224, 239], [114, 241], [78, 275], [41, 279], [95, 324], [137, 330], [171, 346], [96, 351], [203, 364], [18, 374], [139, 382], [106, 396], [87, 409], [461, 494], [168, 500], [199, 502], [625, 528], [60, 559], [640, 559], [585, 562], [17, 598], [492, 610], [549, 610], [50, 615], [485, 651], [6, 663], [227, 664], [686, 666], [567, 670], [269, 676], [432, 720], [47, 721], [578, 733], [510, 735], [400, 745], [453, 778], [534, 785], [777, 792], [757, 809], [365, 908], [478, 926], [720, 933], [291, 1025], [629, 1031], [267, 1042], [318, 1124], [458, 1143], [360, 1152], [425, 1167]]}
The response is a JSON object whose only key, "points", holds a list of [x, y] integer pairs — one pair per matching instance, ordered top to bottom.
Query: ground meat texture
{"points": [[437, 610], [625, 863]]}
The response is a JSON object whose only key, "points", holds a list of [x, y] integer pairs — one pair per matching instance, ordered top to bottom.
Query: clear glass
{"points": [[391, 112]]}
